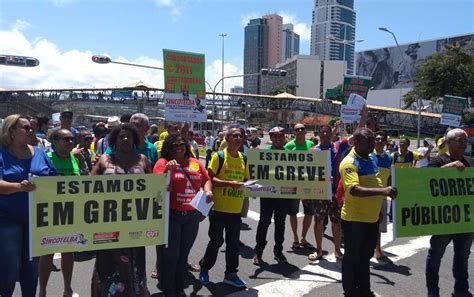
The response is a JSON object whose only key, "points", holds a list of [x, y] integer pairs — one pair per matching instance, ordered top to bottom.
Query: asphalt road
{"points": [[297, 277]]}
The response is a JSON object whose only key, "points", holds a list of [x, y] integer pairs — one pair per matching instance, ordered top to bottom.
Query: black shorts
{"points": [[308, 207]]}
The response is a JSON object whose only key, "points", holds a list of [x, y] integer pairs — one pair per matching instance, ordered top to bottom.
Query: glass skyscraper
{"points": [[333, 31]]}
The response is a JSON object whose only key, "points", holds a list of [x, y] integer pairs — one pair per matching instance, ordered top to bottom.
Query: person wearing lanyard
{"points": [[18, 161], [67, 164], [187, 177]]}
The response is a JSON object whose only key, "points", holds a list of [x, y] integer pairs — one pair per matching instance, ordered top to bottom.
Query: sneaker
{"points": [[279, 257], [204, 276], [233, 280]]}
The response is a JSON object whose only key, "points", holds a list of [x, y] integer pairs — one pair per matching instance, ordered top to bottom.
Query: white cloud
{"points": [[175, 8], [244, 20], [20, 25], [300, 28], [75, 69], [214, 74]]}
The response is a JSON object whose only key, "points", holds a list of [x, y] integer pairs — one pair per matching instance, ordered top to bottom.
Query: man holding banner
{"points": [[456, 140], [300, 143], [364, 193], [276, 207]]}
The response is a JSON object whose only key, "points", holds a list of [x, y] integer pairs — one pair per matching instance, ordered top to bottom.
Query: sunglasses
{"points": [[27, 128], [300, 129], [237, 136], [88, 138], [67, 139], [380, 139], [179, 144]]}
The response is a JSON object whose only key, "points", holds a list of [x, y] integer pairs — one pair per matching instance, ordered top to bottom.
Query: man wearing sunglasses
{"points": [[300, 143], [227, 181]]}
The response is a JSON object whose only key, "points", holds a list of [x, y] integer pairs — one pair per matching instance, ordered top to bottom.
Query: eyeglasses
{"points": [[300, 129], [237, 136], [88, 138], [66, 139], [380, 139]]}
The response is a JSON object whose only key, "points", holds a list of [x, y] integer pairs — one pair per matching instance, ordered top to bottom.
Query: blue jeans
{"points": [[208, 157], [183, 229], [462, 248], [15, 259]]}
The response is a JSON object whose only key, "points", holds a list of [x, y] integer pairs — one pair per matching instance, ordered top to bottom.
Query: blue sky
{"points": [[65, 33]]}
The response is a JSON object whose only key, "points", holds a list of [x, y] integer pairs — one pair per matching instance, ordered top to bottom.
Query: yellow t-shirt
{"points": [[163, 136], [445, 149], [354, 171], [227, 199]]}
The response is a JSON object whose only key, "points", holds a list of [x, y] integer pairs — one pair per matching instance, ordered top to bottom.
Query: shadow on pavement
{"points": [[284, 269]]}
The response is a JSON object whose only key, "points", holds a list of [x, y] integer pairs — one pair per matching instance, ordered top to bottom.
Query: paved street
{"points": [[297, 277]]}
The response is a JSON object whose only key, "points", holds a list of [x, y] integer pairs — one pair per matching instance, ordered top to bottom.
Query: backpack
{"points": [[216, 145], [221, 156]]}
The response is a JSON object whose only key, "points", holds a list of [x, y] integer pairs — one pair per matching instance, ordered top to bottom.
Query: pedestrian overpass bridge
{"points": [[100, 101]]}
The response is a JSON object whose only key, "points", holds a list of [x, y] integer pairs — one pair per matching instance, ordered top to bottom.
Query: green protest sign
{"points": [[184, 72], [355, 85], [185, 86], [452, 110], [295, 174], [434, 201], [83, 213]]}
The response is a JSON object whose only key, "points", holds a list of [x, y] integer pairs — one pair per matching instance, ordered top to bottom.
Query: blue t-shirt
{"points": [[15, 206]]}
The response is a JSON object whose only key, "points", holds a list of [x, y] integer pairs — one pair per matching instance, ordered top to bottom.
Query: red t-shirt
{"points": [[182, 190]]}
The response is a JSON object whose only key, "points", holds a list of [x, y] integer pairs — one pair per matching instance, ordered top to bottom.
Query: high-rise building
{"points": [[275, 30], [333, 31], [290, 43], [262, 48], [255, 53]]}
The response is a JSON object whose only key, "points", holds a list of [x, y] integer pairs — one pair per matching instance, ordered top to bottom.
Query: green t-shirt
{"points": [[292, 146], [65, 167]]}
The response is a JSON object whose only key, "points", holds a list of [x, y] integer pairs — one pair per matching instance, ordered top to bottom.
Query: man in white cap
{"points": [[103, 143], [269, 207]]}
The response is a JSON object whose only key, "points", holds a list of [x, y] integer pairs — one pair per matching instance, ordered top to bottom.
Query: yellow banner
{"points": [[295, 174], [72, 213]]}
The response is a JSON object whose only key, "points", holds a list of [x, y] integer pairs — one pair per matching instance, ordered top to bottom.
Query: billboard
{"points": [[393, 67]]}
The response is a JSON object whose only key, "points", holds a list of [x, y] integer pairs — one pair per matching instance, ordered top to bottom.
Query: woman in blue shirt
{"points": [[18, 161]]}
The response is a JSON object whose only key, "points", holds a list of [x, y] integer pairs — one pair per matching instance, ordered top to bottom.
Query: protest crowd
{"points": [[360, 208]]}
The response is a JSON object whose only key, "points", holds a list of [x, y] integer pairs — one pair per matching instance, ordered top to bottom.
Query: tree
{"points": [[450, 72], [277, 91]]}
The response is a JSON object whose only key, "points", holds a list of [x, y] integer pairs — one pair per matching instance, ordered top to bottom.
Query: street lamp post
{"points": [[100, 59], [106, 60], [263, 71], [222, 74], [418, 128]]}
